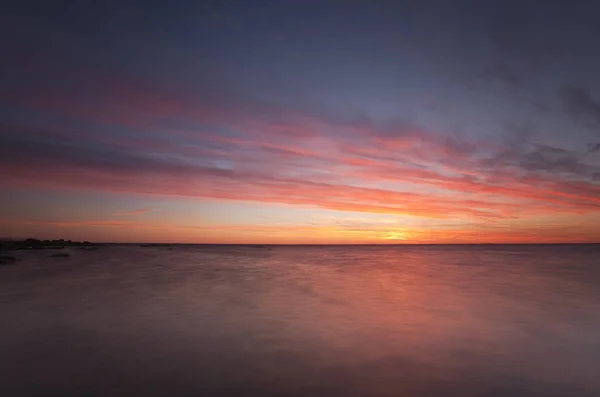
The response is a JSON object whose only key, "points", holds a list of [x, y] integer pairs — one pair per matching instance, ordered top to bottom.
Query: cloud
{"points": [[579, 103], [165, 128], [593, 147], [538, 158], [509, 183]]}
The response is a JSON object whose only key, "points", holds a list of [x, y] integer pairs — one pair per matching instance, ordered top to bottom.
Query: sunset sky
{"points": [[300, 121]]}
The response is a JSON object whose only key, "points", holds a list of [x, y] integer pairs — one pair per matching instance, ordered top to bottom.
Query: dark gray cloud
{"points": [[579, 103], [25, 147], [593, 147], [525, 157], [555, 161]]}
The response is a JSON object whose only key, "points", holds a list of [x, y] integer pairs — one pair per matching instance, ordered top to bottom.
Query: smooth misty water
{"points": [[303, 321]]}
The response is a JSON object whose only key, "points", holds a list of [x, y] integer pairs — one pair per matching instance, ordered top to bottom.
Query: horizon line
{"points": [[14, 239], [352, 244]]}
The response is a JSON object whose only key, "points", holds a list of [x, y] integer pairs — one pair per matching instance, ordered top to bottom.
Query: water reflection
{"points": [[364, 321]]}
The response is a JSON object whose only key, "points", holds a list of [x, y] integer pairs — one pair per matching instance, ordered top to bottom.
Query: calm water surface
{"points": [[303, 321]]}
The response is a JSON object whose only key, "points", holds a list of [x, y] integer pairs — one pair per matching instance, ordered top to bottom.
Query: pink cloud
{"points": [[287, 157]]}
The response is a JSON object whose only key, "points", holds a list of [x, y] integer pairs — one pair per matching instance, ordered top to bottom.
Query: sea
{"points": [[192, 320]]}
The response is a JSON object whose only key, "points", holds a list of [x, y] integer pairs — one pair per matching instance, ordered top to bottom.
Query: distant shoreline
{"points": [[37, 244]]}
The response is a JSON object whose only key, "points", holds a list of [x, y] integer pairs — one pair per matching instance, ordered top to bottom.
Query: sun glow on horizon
{"points": [[396, 235]]}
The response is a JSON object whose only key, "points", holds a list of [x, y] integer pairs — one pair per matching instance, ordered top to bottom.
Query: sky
{"points": [[300, 122]]}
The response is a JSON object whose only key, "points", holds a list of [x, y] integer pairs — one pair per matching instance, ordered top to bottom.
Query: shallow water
{"points": [[303, 321]]}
